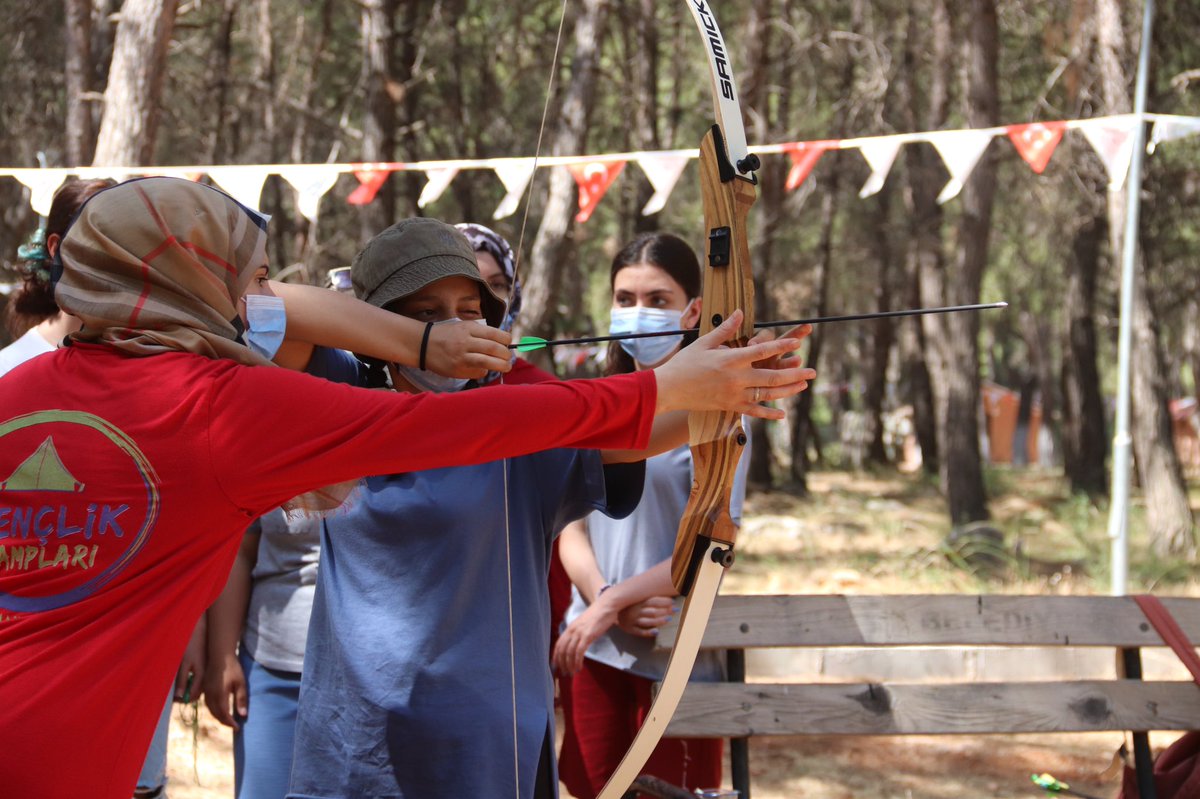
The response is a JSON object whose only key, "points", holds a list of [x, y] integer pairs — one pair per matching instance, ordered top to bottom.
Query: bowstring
{"points": [[512, 649]]}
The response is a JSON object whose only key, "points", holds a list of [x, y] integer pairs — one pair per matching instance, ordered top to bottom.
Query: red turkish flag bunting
{"points": [[1036, 142], [804, 155], [593, 179], [369, 183]]}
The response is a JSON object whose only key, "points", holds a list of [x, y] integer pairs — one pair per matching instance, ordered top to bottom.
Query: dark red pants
{"points": [[603, 709]]}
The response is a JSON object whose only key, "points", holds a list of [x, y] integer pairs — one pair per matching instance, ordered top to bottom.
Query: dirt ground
{"points": [[859, 535], [915, 767]]}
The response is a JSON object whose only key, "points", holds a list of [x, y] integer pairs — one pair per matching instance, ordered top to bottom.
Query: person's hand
{"points": [[467, 350], [780, 361], [706, 376], [644, 618], [573, 644], [189, 680], [225, 691]]}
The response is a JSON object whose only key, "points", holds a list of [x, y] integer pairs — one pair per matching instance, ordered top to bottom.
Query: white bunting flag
{"points": [[1168, 128], [1112, 139], [960, 151], [880, 154], [663, 172], [514, 174], [310, 181], [42, 183], [244, 184], [435, 186]]}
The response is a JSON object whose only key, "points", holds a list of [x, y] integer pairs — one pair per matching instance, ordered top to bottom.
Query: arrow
{"points": [[531, 343]]}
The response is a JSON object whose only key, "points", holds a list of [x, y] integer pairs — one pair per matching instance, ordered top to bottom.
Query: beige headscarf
{"points": [[158, 264]]}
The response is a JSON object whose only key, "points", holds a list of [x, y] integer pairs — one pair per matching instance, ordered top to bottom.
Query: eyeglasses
{"points": [[339, 279]]}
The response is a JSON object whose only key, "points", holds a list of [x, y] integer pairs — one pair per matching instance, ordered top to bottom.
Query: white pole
{"points": [[1118, 517]]}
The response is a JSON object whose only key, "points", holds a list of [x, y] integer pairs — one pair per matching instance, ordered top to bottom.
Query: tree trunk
{"points": [[929, 36], [643, 48], [411, 51], [219, 81], [379, 119], [129, 126], [81, 137], [769, 210], [304, 233], [554, 243], [882, 332], [956, 336], [803, 430], [1084, 440], [1168, 513]]}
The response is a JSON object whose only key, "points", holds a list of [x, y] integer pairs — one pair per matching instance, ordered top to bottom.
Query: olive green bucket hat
{"points": [[410, 255]]}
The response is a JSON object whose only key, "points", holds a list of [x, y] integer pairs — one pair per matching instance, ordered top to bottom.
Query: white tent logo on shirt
{"points": [[62, 539]]}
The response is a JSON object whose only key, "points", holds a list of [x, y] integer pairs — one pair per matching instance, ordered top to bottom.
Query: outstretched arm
{"points": [[320, 317]]}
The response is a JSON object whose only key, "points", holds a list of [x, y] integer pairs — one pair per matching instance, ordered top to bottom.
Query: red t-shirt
{"points": [[125, 485]]}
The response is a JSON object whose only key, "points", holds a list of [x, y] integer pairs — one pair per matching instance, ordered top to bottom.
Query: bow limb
{"points": [[704, 543]]}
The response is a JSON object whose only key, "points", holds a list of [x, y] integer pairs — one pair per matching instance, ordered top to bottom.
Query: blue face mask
{"points": [[638, 319], [266, 322]]}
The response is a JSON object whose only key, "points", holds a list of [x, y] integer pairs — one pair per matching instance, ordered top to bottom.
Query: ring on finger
{"points": [[757, 394]]}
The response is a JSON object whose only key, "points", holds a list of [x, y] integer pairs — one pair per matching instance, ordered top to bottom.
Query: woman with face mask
{"points": [[132, 459], [621, 568]]}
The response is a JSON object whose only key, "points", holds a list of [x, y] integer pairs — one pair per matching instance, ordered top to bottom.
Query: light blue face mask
{"points": [[639, 319], [266, 321], [426, 380]]}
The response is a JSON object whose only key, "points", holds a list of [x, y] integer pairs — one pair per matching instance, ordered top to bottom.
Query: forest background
{"points": [[159, 82]]}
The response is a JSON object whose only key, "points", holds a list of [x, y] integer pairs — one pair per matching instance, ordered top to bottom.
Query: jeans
{"points": [[262, 748], [152, 782]]}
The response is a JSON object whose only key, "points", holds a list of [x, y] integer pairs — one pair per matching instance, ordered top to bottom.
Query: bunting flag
{"points": [[1173, 128], [1112, 139], [1036, 142], [960, 151], [880, 154], [804, 157], [663, 172], [514, 174], [437, 180], [593, 180], [310, 181], [370, 181], [42, 183], [242, 183]]}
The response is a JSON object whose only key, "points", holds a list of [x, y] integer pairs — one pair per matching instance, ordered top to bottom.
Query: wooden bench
{"points": [[934, 705]]}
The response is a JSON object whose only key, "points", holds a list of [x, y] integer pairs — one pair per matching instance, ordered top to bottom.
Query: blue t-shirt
{"points": [[408, 686]]}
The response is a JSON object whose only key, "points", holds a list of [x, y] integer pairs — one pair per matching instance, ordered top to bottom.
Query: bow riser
{"points": [[717, 439], [706, 519], [704, 543]]}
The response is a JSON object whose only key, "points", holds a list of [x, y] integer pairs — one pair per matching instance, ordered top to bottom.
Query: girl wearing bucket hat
{"points": [[132, 459], [427, 645]]}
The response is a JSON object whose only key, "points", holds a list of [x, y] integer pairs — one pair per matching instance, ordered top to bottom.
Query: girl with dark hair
{"points": [[668, 267], [34, 319], [621, 568]]}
